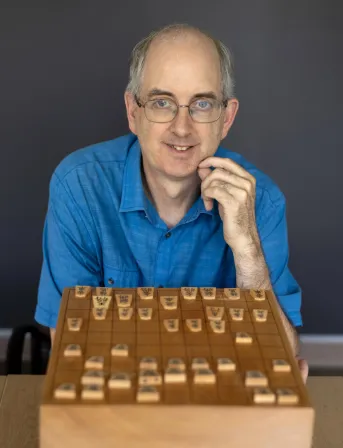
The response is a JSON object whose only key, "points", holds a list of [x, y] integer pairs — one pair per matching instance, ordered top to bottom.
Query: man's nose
{"points": [[182, 123]]}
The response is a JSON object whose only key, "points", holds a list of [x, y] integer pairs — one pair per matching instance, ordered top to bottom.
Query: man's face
{"points": [[185, 68]]}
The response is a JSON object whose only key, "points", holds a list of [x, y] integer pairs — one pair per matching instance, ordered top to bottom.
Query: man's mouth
{"points": [[180, 148]]}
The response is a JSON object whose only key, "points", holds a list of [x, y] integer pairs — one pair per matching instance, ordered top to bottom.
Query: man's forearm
{"points": [[252, 272]]}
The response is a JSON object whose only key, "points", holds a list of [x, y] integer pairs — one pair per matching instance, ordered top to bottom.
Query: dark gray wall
{"points": [[63, 70]]}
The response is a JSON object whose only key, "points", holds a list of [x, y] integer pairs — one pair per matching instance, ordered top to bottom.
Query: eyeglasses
{"points": [[164, 110]]}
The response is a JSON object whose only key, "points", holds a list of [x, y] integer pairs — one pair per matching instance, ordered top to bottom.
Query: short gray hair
{"points": [[139, 54]]}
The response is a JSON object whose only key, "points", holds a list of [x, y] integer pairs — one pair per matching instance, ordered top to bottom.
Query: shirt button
{"points": [[167, 235], [110, 281]]}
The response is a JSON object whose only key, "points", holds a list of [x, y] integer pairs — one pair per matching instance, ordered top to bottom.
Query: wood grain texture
{"points": [[3, 380], [327, 397], [19, 411], [148, 426]]}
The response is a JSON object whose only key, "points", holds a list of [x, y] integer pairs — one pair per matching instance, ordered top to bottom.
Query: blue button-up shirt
{"points": [[101, 229]]}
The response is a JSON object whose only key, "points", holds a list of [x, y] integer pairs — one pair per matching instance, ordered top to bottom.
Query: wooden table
{"points": [[20, 395]]}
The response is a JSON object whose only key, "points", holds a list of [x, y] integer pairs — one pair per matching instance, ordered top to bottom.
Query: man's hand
{"points": [[234, 189], [52, 335], [303, 366]]}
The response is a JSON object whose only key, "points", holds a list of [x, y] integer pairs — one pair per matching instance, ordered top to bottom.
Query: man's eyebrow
{"points": [[157, 92]]}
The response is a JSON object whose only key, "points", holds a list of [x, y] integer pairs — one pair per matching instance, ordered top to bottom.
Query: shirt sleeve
{"points": [[274, 240], [69, 252]]}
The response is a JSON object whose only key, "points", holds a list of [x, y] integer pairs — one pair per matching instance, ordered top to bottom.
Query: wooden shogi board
{"points": [[185, 367]]}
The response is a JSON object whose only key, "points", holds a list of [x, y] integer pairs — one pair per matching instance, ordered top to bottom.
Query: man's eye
{"points": [[161, 104], [203, 104]]}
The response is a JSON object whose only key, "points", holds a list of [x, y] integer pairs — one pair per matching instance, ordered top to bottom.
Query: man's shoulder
{"points": [[110, 152], [266, 187]]}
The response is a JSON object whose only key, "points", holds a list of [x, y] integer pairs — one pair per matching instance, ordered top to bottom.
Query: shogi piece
{"points": [[102, 291], [81, 292], [145, 293], [189, 293], [208, 293], [232, 293], [258, 294], [124, 300], [102, 301], [169, 302], [215, 312], [99, 313], [125, 313], [145, 313], [237, 314], [260, 315], [74, 323], [171, 325], [194, 325], [218, 326], [243, 338], [73, 350], [121, 350], [94, 362], [176, 363], [200, 363], [148, 364], [225, 365], [281, 365], [175, 376], [204, 376], [93, 377], [149, 378], [256, 378], [120, 380], [65, 391], [92, 392], [148, 394], [263, 395], [286, 396], [208, 406]]}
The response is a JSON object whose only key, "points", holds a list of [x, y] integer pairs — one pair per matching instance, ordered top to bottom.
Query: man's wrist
{"points": [[251, 268]]}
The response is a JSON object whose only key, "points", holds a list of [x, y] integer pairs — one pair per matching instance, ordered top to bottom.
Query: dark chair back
{"points": [[40, 348]]}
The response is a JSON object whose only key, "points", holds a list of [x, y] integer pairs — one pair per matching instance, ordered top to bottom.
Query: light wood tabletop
{"points": [[20, 397]]}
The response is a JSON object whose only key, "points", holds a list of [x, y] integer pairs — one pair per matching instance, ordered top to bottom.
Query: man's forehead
{"points": [[193, 48], [182, 68]]}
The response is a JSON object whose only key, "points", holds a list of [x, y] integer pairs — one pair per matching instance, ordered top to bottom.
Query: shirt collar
{"points": [[133, 195]]}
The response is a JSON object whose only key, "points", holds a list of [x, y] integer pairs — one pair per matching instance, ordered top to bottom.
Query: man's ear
{"points": [[131, 111], [230, 113]]}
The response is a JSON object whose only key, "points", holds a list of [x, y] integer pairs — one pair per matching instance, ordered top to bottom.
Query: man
{"points": [[166, 205]]}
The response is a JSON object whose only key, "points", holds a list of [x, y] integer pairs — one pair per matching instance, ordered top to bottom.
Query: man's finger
{"points": [[227, 164], [204, 172], [229, 178], [217, 191], [224, 193]]}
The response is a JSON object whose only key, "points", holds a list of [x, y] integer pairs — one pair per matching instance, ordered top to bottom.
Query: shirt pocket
{"points": [[117, 278]]}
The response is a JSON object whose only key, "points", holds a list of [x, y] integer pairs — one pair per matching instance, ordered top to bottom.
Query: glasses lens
{"points": [[160, 110], [205, 110]]}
